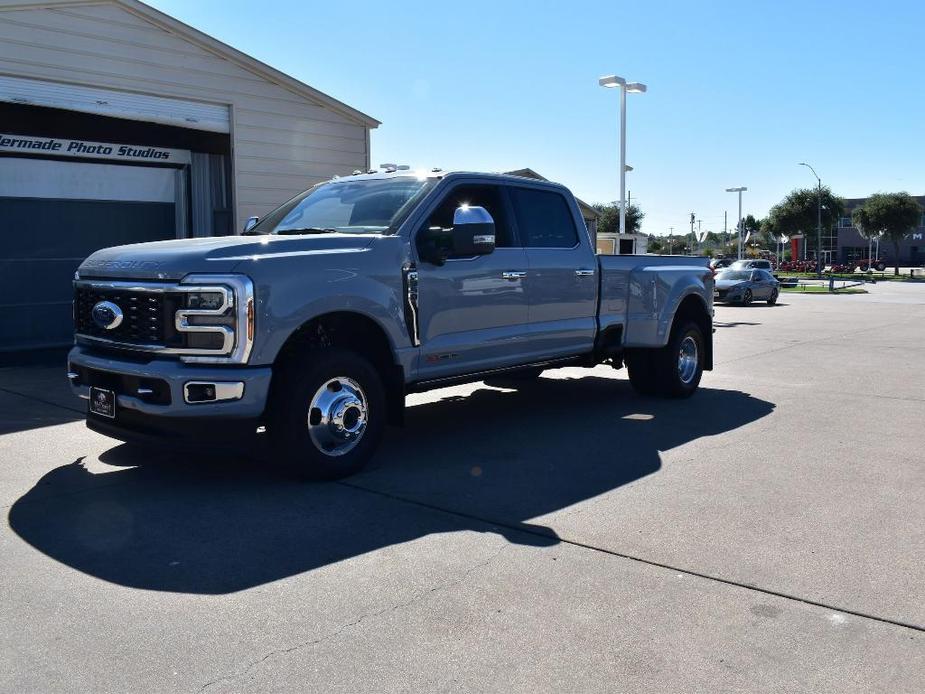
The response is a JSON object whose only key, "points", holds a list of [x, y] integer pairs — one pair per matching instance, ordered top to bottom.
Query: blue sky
{"points": [[738, 92]]}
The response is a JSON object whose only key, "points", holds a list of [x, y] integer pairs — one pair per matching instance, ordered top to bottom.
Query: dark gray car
{"points": [[746, 286]]}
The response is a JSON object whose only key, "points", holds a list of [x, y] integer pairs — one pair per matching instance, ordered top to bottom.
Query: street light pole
{"points": [[612, 81], [739, 190], [818, 219]]}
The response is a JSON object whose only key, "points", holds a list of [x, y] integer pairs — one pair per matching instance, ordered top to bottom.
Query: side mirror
{"points": [[250, 223], [473, 231]]}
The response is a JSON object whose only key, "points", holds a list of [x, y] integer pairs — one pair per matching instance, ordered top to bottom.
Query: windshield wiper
{"points": [[306, 230]]}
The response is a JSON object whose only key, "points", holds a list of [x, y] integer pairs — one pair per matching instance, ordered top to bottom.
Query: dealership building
{"points": [[120, 124], [852, 246]]}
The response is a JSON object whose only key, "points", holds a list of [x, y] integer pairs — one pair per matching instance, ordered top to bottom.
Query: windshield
{"points": [[367, 206], [733, 275]]}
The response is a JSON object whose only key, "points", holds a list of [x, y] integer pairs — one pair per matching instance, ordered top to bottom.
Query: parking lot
{"points": [[767, 534]]}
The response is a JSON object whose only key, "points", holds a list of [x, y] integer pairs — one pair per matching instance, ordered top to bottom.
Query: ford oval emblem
{"points": [[106, 315]]}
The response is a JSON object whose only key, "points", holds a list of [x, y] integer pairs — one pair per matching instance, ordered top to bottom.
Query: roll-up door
{"points": [[106, 102], [55, 214]]}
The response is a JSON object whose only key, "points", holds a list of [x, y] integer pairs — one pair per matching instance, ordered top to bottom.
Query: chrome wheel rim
{"points": [[747, 298], [687, 359], [337, 416]]}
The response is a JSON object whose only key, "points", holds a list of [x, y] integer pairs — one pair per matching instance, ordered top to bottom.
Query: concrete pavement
{"points": [[768, 534]]}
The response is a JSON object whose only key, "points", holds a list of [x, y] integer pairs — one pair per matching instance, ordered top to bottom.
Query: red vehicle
{"points": [[866, 264]]}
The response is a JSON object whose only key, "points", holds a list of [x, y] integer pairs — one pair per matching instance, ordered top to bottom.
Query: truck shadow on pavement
{"points": [[489, 462]]}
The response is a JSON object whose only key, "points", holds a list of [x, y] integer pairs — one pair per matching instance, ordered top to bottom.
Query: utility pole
{"points": [[738, 190], [725, 234], [693, 238], [671, 240]]}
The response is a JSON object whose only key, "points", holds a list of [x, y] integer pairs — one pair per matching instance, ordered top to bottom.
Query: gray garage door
{"points": [[56, 213]]}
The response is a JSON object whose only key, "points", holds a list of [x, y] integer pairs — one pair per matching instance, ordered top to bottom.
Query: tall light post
{"points": [[612, 81], [739, 190], [818, 219]]}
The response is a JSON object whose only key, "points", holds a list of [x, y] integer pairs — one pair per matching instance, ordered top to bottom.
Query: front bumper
{"points": [[161, 408]]}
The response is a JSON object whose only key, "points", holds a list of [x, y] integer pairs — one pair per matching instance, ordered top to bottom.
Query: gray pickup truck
{"points": [[309, 329]]}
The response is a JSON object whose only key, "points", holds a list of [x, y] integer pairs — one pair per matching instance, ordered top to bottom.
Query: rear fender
{"points": [[655, 294]]}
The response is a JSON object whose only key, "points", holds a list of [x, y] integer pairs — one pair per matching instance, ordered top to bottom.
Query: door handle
{"points": [[584, 273], [513, 275]]}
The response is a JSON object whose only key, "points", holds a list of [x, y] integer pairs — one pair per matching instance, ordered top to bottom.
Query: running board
{"points": [[446, 381]]}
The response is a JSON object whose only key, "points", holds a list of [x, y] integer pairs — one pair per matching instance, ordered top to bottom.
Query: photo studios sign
{"points": [[58, 147]]}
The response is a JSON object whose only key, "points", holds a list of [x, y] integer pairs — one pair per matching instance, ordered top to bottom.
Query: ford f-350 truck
{"points": [[313, 325]]}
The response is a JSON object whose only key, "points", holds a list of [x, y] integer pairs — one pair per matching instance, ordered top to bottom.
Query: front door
{"points": [[472, 310]]}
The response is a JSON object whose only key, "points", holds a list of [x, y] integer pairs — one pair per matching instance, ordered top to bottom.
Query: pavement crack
{"points": [[642, 560], [413, 600]]}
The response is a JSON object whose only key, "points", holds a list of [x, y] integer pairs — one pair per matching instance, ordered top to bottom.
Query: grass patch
{"points": [[887, 276], [814, 289]]}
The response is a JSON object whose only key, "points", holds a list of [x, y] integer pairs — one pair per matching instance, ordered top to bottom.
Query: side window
{"points": [[485, 196], [544, 219]]}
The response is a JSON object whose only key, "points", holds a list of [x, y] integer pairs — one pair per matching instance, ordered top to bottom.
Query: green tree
{"points": [[796, 213], [892, 214], [609, 221], [750, 224], [655, 245]]}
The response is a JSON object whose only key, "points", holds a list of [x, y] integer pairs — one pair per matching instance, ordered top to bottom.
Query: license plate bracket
{"points": [[103, 402]]}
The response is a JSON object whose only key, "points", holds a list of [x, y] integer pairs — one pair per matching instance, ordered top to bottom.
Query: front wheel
{"points": [[747, 297], [773, 298], [327, 414]]}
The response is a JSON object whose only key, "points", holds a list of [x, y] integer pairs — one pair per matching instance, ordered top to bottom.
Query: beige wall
{"points": [[283, 142]]}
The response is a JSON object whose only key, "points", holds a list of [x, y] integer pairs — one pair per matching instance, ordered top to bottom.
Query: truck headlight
{"points": [[209, 301], [216, 318]]}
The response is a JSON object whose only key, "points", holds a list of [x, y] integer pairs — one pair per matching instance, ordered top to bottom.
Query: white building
{"points": [[120, 124], [622, 244]]}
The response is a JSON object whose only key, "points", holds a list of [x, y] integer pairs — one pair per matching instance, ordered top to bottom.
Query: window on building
{"points": [[845, 222]]}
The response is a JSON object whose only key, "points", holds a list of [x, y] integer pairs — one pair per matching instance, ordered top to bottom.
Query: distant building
{"points": [[120, 124], [622, 244], [850, 245]]}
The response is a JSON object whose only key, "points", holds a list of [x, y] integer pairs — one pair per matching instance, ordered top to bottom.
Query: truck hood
{"points": [[172, 260]]}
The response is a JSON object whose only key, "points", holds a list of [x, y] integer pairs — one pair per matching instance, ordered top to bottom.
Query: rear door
{"points": [[562, 273], [473, 310]]}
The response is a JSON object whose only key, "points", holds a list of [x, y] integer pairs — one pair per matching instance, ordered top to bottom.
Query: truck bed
{"points": [[642, 292]]}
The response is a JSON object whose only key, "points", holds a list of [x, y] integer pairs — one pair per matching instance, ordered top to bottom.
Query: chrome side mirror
{"points": [[250, 223], [473, 231]]}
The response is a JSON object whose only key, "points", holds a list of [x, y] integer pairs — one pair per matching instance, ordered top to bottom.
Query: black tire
{"points": [[880, 267], [747, 297], [773, 298], [640, 365], [514, 379], [672, 382], [291, 415]]}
